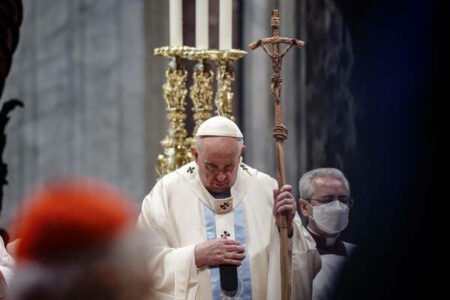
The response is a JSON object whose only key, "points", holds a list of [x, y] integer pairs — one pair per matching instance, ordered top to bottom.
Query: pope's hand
{"points": [[284, 203], [218, 252]]}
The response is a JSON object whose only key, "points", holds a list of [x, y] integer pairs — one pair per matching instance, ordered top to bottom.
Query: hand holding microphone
{"points": [[225, 253], [228, 277]]}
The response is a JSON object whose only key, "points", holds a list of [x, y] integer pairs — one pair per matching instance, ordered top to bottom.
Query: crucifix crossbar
{"points": [[275, 55]]}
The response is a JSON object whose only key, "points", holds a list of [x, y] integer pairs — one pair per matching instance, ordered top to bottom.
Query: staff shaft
{"points": [[279, 131]]}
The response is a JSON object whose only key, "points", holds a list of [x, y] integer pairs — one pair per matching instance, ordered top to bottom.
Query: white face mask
{"points": [[331, 217]]}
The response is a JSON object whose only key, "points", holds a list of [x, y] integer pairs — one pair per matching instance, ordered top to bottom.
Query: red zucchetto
{"points": [[60, 220]]}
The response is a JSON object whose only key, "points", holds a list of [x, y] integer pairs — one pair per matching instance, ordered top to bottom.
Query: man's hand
{"points": [[284, 203], [218, 252]]}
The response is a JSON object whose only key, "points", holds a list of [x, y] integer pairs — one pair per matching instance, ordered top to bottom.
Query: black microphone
{"points": [[228, 279]]}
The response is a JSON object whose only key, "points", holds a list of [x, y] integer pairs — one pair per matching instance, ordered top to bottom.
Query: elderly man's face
{"points": [[218, 160]]}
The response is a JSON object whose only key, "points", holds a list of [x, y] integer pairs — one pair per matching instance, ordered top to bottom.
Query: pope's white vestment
{"points": [[179, 213], [7, 264]]}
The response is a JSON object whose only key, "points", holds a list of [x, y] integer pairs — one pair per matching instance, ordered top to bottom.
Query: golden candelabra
{"points": [[176, 143]]}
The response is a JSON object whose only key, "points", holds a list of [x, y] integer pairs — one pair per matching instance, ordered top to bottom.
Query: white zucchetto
{"points": [[219, 126]]}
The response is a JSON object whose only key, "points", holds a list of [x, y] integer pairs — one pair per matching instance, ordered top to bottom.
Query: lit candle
{"points": [[176, 22], [201, 24], [225, 24]]}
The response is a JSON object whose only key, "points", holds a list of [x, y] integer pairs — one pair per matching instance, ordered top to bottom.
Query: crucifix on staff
{"points": [[280, 132]]}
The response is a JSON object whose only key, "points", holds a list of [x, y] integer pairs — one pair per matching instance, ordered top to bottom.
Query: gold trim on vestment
{"points": [[223, 206]]}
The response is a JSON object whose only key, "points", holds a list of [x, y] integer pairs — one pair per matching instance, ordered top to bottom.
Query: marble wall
{"points": [[79, 70]]}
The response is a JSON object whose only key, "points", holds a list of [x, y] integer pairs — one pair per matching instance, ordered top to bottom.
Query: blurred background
{"points": [[358, 97]]}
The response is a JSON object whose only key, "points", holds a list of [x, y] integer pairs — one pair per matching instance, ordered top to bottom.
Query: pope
{"points": [[214, 222]]}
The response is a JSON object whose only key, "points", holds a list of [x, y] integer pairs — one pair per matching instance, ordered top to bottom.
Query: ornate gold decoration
{"points": [[202, 92], [224, 95], [175, 144], [223, 206]]}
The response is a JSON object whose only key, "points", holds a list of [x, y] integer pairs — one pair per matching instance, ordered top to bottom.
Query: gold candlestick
{"points": [[225, 78], [201, 92], [224, 95], [175, 144]]}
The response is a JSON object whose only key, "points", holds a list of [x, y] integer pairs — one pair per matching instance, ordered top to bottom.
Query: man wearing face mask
{"points": [[325, 203]]}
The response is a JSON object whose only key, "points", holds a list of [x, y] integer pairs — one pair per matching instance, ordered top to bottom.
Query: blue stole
{"points": [[244, 290]]}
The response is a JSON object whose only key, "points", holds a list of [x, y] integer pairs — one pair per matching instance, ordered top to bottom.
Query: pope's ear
{"points": [[243, 149], [194, 152], [303, 206]]}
